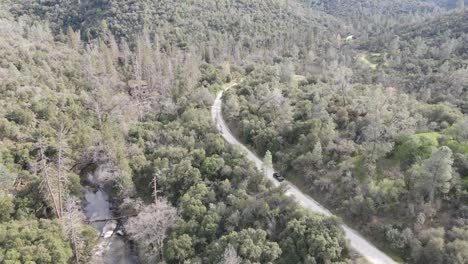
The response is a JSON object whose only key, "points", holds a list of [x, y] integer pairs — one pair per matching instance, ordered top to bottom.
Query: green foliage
{"points": [[394, 8], [209, 19], [429, 60], [135, 102], [440, 113], [20, 116], [53, 127], [459, 130], [215, 144], [345, 147], [415, 147], [212, 165], [435, 174], [6, 178], [216, 194], [192, 203], [6, 206], [90, 236], [320, 238], [33, 241], [251, 245], [179, 249]]}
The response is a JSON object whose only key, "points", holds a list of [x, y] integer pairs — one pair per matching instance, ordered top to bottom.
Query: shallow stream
{"points": [[111, 248]]}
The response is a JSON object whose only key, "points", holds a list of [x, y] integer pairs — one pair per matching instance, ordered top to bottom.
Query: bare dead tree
{"points": [[341, 82], [267, 98], [61, 138], [157, 175], [48, 179], [155, 189], [72, 224], [150, 227], [230, 256]]}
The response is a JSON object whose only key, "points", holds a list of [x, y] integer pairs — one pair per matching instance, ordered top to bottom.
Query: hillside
{"points": [[449, 4], [356, 8], [364, 17], [188, 21], [433, 31], [428, 59], [112, 99], [107, 104], [366, 135]]}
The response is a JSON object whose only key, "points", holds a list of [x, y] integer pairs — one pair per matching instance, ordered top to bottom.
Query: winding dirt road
{"points": [[357, 242]]}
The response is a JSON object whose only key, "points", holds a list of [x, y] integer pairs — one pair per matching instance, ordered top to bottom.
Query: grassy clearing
{"points": [[369, 61], [299, 78], [433, 136], [457, 146]]}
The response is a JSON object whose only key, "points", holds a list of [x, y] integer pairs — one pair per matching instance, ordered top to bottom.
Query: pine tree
{"points": [[73, 39], [317, 154], [267, 162], [435, 174]]}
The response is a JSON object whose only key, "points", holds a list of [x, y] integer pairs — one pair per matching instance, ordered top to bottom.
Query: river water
{"points": [[111, 248]]}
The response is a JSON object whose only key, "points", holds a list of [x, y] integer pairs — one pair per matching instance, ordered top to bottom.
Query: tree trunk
{"points": [[47, 181]]}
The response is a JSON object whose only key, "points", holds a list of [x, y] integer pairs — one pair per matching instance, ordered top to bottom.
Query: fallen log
{"points": [[109, 219]]}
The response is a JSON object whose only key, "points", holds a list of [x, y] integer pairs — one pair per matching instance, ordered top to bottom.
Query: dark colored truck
{"points": [[278, 176]]}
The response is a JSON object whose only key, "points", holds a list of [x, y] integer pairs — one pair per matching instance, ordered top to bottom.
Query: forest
{"points": [[363, 105]]}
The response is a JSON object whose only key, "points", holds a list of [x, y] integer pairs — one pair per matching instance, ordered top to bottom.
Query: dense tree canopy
{"points": [[362, 103], [32, 241]]}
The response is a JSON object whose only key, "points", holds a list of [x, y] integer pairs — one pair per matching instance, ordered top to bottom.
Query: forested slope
{"points": [[448, 3], [354, 8], [365, 18], [254, 23], [428, 59], [124, 96], [374, 126], [46, 128], [379, 134], [392, 166]]}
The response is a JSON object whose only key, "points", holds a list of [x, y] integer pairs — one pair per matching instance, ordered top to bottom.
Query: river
{"points": [[111, 248]]}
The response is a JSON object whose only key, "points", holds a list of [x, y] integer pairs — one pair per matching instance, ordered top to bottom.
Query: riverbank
{"points": [[113, 247]]}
